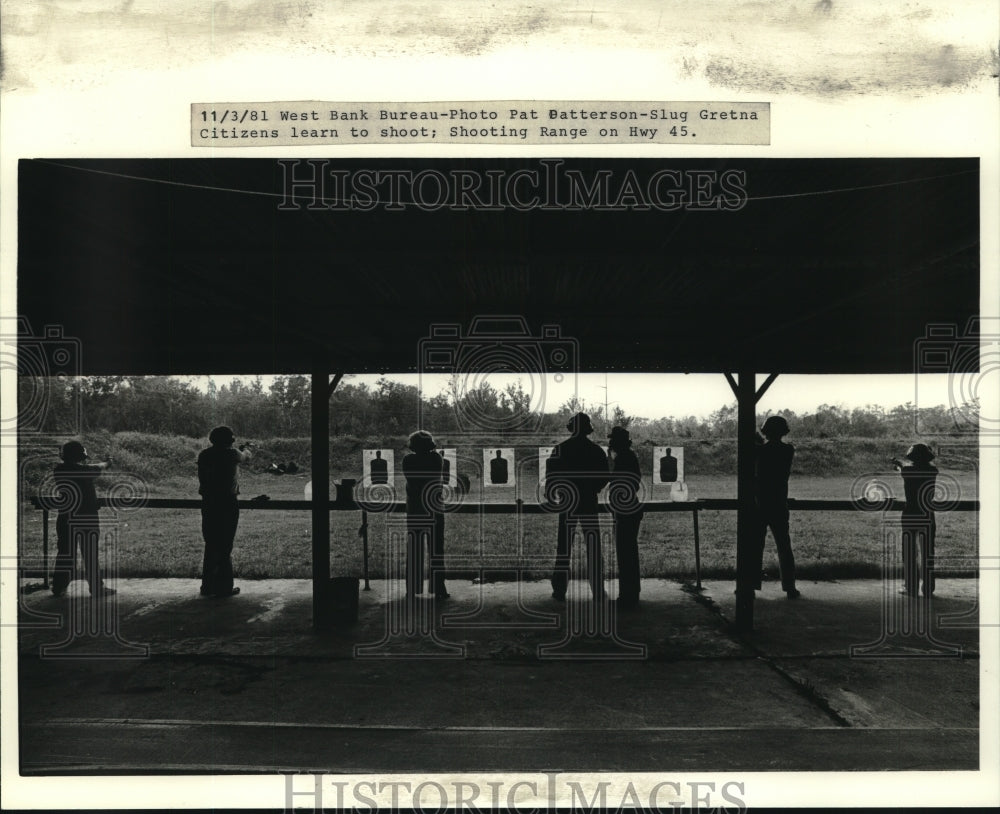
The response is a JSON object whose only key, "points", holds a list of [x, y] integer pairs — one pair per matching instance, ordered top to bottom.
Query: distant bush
{"points": [[154, 457], [157, 458]]}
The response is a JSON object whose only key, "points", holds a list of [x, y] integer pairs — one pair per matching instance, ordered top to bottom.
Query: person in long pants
{"points": [[773, 468], [423, 469], [575, 473], [219, 487], [627, 510], [77, 523], [918, 523]]}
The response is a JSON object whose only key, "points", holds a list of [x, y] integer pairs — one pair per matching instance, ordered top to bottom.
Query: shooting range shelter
{"points": [[210, 266]]}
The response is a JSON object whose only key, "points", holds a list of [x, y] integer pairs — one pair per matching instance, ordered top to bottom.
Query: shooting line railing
{"points": [[517, 507]]}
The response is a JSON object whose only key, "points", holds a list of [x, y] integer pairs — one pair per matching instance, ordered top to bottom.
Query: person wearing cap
{"points": [[773, 468], [423, 470], [575, 473], [219, 487], [627, 510], [918, 524], [78, 525]]}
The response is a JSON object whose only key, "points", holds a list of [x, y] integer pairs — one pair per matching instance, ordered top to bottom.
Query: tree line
{"points": [[171, 406]]}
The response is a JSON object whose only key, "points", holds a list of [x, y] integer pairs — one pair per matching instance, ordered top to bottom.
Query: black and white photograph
{"points": [[228, 358], [402, 474]]}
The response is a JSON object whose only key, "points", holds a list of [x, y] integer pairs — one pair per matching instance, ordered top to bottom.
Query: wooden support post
{"points": [[320, 490], [364, 537], [45, 548], [697, 549], [747, 561]]}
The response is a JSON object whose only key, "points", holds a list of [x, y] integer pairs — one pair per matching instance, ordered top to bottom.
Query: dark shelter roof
{"points": [[190, 266]]}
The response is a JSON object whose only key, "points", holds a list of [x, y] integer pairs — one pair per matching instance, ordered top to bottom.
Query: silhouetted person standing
{"points": [[773, 467], [378, 468], [668, 468], [423, 469], [498, 469], [575, 473], [218, 485], [627, 509], [918, 523], [77, 524]]}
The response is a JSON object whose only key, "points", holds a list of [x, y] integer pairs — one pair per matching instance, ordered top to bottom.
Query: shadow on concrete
{"points": [[501, 677]]}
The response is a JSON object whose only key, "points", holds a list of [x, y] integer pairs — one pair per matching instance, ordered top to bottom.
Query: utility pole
{"points": [[605, 398], [607, 404]]}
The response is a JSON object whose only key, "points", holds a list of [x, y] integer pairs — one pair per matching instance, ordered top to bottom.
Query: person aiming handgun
{"points": [[773, 468], [219, 487], [77, 523], [918, 524]]}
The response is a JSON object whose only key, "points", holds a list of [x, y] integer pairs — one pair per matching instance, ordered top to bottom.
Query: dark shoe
{"points": [[103, 591], [58, 593], [794, 593], [226, 595], [442, 596], [559, 597], [626, 604]]}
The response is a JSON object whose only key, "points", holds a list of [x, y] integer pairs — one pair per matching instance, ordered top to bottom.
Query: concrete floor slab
{"points": [[859, 617], [493, 621], [501, 677], [892, 692], [424, 694], [140, 748]]}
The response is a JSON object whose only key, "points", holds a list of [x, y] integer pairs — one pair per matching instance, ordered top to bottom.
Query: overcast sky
{"points": [[656, 395]]}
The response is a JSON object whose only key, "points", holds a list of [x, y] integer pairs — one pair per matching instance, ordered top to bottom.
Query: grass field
{"points": [[276, 544]]}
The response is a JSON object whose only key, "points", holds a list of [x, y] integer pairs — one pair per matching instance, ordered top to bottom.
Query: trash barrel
{"points": [[343, 604]]}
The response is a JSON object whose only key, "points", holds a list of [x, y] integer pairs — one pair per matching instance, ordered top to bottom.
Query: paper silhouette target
{"points": [[544, 453], [450, 457], [668, 465], [378, 466], [498, 467]]}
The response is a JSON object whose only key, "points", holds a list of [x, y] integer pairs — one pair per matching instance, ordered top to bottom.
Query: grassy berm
{"points": [[276, 544]]}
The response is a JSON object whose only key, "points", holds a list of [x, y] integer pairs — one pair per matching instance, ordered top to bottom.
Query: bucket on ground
{"points": [[341, 605]]}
